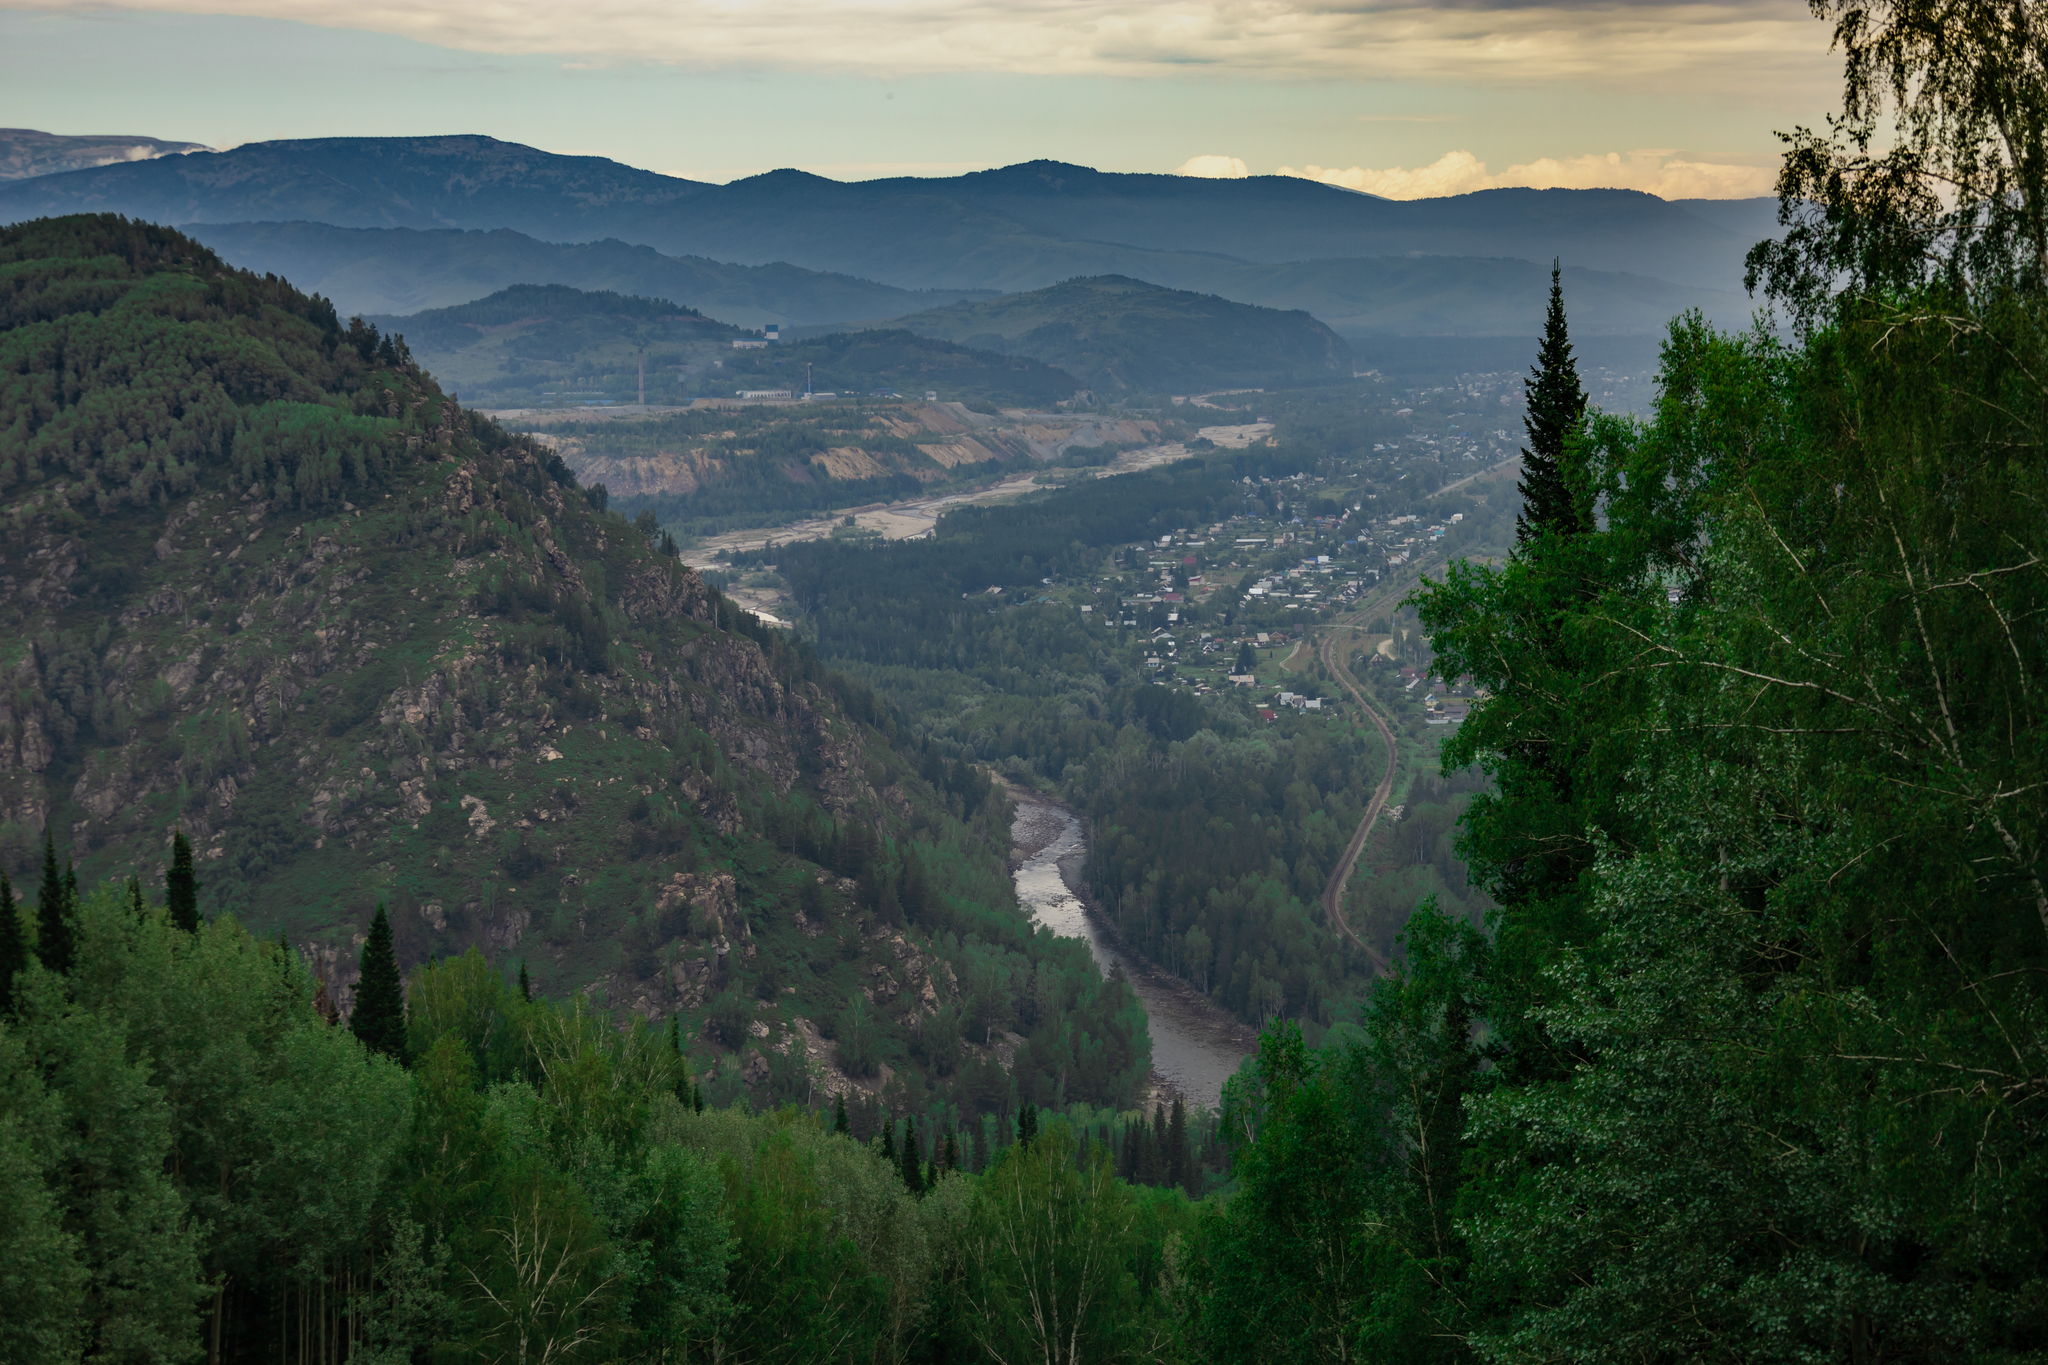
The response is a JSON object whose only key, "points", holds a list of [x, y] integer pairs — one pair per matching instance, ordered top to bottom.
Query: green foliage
{"points": [[1047, 1255]]}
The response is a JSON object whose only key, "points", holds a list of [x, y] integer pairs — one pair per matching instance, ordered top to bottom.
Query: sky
{"points": [[1397, 98]]}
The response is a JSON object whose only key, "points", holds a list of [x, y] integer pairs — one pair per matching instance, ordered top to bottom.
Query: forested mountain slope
{"points": [[265, 583]]}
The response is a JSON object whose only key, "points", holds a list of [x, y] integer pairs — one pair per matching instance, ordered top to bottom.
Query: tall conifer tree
{"points": [[1557, 410], [181, 886], [135, 902], [55, 939], [13, 945], [525, 983], [379, 1018], [839, 1119], [1177, 1144], [913, 1169]]}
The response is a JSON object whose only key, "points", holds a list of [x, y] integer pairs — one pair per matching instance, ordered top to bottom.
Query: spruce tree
{"points": [[1557, 411], [181, 886], [135, 902], [56, 941], [13, 945], [525, 983], [379, 1018], [684, 1086], [697, 1097], [839, 1120], [1027, 1124], [889, 1141], [1177, 1144], [1160, 1159], [913, 1169]]}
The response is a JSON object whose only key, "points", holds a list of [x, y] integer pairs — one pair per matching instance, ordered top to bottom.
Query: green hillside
{"points": [[1121, 334], [268, 585]]}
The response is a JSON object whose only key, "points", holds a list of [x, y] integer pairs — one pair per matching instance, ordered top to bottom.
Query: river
{"points": [[1195, 1046]]}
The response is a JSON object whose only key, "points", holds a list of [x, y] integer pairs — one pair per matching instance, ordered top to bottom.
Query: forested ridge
{"points": [[269, 587]]}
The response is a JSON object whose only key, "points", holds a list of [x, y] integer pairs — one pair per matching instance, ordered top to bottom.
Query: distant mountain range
{"points": [[26, 152], [1469, 264], [407, 270]]}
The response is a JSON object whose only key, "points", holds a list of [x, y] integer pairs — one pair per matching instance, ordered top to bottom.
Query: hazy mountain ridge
{"points": [[29, 152], [1017, 228], [406, 270], [1118, 333], [526, 344]]}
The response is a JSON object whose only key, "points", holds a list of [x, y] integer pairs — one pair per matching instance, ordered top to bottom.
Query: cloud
{"points": [[1759, 47], [1213, 168], [1661, 173]]}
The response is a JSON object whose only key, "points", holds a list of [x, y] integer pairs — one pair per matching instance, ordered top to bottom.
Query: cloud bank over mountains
{"points": [[1755, 47], [1662, 173], [1665, 174]]}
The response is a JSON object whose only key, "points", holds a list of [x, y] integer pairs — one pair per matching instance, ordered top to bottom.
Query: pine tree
{"points": [[1557, 411], [181, 886], [135, 902], [55, 936], [13, 945], [525, 984], [379, 1018], [684, 1086], [697, 1098], [839, 1119], [1027, 1124], [889, 1142], [1177, 1145], [952, 1152], [913, 1169], [1159, 1175]]}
